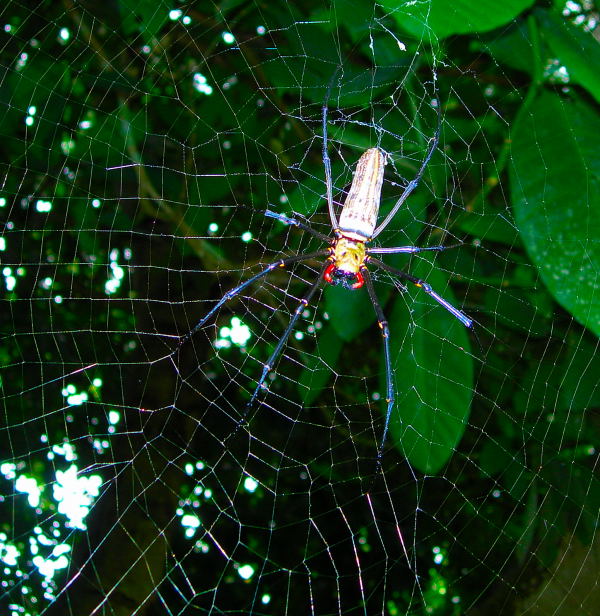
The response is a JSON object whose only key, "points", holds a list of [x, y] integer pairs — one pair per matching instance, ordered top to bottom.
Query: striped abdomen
{"points": [[359, 214]]}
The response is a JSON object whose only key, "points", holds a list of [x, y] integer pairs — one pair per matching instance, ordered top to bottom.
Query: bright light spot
{"points": [[175, 14], [187, 20], [7, 27], [260, 30], [64, 34], [228, 38], [401, 46], [22, 61], [556, 72], [231, 81], [201, 85], [32, 110], [29, 121], [85, 124], [67, 146], [283, 199], [2, 201], [43, 206], [213, 227], [246, 236], [2, 243], [118, 271], [116, 275], [9, 280], [58, 299], [238, 334], [299, 335], [97, 382], [73, 398], [77, 399], [114, 417], [99, 446], [66, 450], [200, 465], [189, 469], [8, 470], [250, 484], [29, 486], [207, 493], [496, 493], [75, 495], [191, 521], [61, 549], [9, 554], [438, 559], [48, 567], [246, 572], [265, 599]]}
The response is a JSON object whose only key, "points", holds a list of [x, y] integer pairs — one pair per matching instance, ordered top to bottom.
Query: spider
{"points": [[348, 255]]}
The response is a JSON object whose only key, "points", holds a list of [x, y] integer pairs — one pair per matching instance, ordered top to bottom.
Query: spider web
{"points": [[142, 144]]}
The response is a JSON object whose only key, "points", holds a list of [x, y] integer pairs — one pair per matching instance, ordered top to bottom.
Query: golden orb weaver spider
{"points": [[348, 254]]}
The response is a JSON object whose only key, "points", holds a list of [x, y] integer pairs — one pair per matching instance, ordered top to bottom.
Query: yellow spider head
{"points": [[347, 260]]}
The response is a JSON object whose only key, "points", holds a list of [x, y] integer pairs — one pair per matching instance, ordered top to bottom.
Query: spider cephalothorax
{"points": [[347, 259]]}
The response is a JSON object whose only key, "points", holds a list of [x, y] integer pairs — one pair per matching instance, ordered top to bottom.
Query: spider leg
{"points": [[415, 182], [297, 223], [405, 249], [231, 294], [463, 318], [288, 330], [385, 333]]}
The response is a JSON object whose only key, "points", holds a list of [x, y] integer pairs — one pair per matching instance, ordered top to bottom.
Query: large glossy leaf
{"points": [[441, 18], [555, 187], [433, 375]]}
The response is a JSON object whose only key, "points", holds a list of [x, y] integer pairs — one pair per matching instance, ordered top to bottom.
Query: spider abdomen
{"points": [[359, 214]]}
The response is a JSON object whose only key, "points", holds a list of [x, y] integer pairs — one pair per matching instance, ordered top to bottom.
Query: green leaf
{"points": [[440, 18], [512, 47], [576, 49], [557, 204], [491, 225], [350, 311], [579, 372], [433, 375], [573, 499]]}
